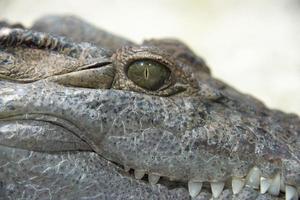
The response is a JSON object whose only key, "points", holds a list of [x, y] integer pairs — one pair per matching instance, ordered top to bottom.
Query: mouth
{"points": [[255, 179], [235, 185]]}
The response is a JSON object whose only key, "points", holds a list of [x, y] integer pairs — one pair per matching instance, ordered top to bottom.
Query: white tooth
{"points": [[126, 168], [139, 173], [253, 178], [153, 179], [237, 184], [264, 184], [282, 186], [194, 188], [217, 188], [274, 188], [291, 193]]}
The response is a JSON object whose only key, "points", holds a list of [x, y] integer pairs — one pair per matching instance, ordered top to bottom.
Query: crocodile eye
{"points": [[148, 74]]}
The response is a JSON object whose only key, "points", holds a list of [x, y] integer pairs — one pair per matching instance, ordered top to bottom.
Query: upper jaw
{"points": [[259, 154], [255, 176]]}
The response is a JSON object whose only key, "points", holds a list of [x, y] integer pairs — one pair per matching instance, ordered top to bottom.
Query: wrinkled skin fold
{"points": [[72, 121]]}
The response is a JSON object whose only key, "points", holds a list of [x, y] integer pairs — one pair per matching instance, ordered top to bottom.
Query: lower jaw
{"points": [[256, 179], [208, 189]]}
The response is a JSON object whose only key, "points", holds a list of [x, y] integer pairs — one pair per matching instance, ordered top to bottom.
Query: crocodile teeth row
{"points": [[139, 174], [254, 179], [271, 185], [195, 188]]}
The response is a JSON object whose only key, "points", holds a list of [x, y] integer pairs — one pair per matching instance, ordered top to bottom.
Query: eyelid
{"points": [[95, 78]]}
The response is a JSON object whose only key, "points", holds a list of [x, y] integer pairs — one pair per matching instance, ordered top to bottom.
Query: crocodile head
{"points": [[154, 108]]}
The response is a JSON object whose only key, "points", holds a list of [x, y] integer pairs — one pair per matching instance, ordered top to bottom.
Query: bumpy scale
{"points": [[85, 114]]}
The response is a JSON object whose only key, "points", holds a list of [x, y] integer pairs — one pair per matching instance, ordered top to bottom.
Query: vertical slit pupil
{"points": [[146, 72]]}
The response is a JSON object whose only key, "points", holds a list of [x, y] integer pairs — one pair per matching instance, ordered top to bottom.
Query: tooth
{"points": [[126, 168], [139, 173], [253, 178], [153, 179], [237, 184], [264, 184], [282, 186], [194, 188], [217, 188], [274, 188], [291, 193]]}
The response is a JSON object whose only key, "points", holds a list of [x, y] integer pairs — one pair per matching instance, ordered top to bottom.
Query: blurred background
{"points": [[254, 45]]}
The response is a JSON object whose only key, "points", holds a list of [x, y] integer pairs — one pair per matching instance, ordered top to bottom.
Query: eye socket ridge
{"points": [[149, 74]]}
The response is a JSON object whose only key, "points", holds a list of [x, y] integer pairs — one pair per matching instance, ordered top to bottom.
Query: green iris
{"points": [[148, 74]]}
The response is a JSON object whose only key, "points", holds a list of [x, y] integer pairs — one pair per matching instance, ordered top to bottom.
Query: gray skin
{"points": [[71, 119]]}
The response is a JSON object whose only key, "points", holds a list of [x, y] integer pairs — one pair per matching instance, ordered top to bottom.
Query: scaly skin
{"points": [[71, 120]]}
